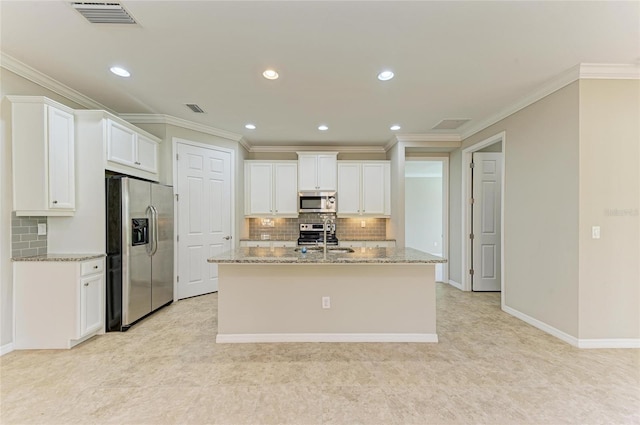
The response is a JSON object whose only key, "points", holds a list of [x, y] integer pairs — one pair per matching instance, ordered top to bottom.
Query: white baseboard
{"points": [[456, 284], [542, 326], [318, 337], [576, 342], [609, 343], [7, 348]]}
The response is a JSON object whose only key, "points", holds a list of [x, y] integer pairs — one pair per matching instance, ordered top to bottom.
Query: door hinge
{"points": [[177, 157], [472, 165], [177, 197], [471, 201], [471, 236], [177, 238], [471, 272], [177, 278]]}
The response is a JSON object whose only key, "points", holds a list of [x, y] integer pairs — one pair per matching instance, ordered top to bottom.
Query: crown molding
{"points": [[25, 71], [580, 71], [609, 71], [180, 122], [427, 139], [309, 148]]}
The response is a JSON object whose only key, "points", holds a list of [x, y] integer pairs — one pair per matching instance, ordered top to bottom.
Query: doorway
{"points": [[203, 180], [426, 207], [483, 215]]}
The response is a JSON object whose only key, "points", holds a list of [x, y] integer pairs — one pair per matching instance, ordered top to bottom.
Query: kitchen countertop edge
{"points": [[286, 256], [59, 257]]}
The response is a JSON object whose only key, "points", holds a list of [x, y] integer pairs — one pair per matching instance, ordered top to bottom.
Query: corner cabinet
{"points": [[130, 148], [43, 161], [317, 171], [271, 188], [364, 188], [58, 304]]}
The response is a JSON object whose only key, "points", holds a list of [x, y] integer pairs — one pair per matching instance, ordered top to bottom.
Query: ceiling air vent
{"points": [[103, 12], [195, 108], [450, 124]]}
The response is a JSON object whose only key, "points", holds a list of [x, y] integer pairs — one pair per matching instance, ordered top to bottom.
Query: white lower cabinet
{"points": [[58, 304]]}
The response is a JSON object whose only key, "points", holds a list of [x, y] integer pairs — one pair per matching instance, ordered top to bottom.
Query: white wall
{"points": [[571, 162], [540, 207], [423, 214], [609, 296]]}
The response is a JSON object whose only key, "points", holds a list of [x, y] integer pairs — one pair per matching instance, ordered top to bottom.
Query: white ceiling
{"points": [[451, 60]]}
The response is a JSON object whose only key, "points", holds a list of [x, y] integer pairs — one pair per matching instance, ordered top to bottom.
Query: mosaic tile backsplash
{"points": [[346, 228], [25, 241]]}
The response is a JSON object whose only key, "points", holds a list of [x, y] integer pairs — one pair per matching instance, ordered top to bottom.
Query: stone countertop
{"points": [[296, 240], [360, 256], [60, 257]]}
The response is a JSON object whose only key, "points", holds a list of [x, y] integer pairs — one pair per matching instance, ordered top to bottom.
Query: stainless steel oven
{"points": [[317, 202]]}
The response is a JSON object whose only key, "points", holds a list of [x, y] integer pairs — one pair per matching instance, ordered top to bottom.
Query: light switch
{"points": [[42, 229], [595, 232]]}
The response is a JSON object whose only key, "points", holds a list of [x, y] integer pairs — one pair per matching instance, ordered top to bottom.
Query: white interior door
{"points": [[487, 172], [204, 216]]}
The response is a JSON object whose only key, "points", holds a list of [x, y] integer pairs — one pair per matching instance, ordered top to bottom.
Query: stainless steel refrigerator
{"points": [[139, 250]]}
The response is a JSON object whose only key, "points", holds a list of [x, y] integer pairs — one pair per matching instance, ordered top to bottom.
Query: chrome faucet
{"points": [[326, 220]]}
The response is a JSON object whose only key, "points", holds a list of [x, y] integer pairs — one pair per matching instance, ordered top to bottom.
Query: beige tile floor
{"points": [[489, 368]]}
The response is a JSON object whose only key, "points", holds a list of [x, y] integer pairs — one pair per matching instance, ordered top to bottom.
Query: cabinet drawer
{"points": [[91, 267]]}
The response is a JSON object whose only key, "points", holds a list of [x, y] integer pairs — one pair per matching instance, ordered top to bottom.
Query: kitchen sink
{"points": [[309, 249], [334, 250], [340, 250]]}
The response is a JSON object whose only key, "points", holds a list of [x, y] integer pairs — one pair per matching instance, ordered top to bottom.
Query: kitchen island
{"points": [[368, 295]]}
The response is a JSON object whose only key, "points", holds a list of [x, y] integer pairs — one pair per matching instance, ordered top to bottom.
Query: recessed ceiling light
{"points": [[121, 72], [270, 74], [385, 75], [250, 126], [323, 127], [394, 127]]}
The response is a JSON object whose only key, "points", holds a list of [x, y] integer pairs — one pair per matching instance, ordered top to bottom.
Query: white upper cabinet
{"points": [[128, 147], [43, 157], [317, 171], [271, 188], [364, 188]]}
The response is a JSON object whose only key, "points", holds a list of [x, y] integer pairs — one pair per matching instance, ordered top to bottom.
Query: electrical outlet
{"points": [[363, 223], [42, 228], [595, 232], [265, 236], [326, 302]]}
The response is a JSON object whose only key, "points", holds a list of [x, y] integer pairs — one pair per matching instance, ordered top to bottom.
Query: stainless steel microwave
{"points": [[317, 202]]}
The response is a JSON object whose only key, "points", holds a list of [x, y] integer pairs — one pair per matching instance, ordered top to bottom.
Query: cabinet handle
{"points": [[137, 163], [55, 202], [95, 267], [86, 284]]}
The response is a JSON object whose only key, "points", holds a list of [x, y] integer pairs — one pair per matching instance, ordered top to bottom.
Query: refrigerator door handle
{"points": [[151, 227], [154, 230]]}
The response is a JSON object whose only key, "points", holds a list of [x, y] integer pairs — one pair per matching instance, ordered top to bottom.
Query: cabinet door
{"points": [[121, 144], [146, 155], [61, 160], [307, 172], [327, 172], [348, 188], [373, 188], [259, 189], [286, 189], [91, 315]]}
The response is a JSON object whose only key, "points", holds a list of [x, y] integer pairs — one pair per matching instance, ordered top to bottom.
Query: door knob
{"points": [[227, 238]]}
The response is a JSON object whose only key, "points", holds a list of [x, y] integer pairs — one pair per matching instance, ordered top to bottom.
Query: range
{"points": [[313, 234]]}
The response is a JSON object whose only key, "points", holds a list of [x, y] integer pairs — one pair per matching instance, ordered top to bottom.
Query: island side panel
{"points": [[365, 299]]}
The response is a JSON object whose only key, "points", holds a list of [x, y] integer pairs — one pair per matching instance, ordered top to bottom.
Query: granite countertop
{"points": [[296, 240], [359, 256], [60, 257]]}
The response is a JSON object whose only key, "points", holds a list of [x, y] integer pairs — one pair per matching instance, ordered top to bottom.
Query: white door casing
{"points": [[204, 215], [486, 244]]}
